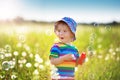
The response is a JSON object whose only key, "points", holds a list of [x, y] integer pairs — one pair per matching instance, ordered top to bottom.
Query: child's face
{"points": [[64, 33]]}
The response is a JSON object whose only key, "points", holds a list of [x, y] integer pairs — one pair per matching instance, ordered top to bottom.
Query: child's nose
{"points": [[61, 33]]}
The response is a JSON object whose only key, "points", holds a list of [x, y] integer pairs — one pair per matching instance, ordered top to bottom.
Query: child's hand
{"points": [[68, 57], [82, 58], [56, 61]]}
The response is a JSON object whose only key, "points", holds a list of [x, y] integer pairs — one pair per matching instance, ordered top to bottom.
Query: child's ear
{"points": [[72, 40]]}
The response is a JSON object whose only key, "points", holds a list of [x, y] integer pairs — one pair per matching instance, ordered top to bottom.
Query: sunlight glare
{"points": [[8, 9]]}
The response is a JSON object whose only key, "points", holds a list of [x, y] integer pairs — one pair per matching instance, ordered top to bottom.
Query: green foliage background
{"points": [[100, 42]]}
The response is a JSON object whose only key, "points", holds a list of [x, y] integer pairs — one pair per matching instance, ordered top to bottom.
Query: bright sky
{"points": [[52, 10]]}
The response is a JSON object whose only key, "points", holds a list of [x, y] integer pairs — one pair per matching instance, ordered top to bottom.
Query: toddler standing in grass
{"points": [[63, 54]]}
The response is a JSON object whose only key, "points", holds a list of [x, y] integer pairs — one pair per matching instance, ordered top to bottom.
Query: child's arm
{"points": [[56, 61]]}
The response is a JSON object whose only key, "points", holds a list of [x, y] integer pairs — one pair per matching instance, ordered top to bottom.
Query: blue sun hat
{"points": [[71, 23]]}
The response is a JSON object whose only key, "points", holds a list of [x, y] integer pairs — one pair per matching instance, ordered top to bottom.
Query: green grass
{"points": [[24, 52]]}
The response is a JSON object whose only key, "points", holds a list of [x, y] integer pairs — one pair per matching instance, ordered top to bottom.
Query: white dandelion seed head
{"points": [[19, 45], [27, 48], [117, 49], [110, 50], [2, 53], [15, 53], [114, 53], [8, 54], [24, 54], [31, 55], [2, 56], [100, 56], [107, 57], [38, 58], [118, 58], [13, 59], [86, 60], [19, 61], [24, 61], [47, 63], [12, 64], [36, 64], [21, 65], [28, 65], [41, 67], [53, 68], [76, 69], [36, 72], [55, 75], [2, 76], [13, 76]]}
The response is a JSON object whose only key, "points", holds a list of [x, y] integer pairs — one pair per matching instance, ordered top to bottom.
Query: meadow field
{"points": [[25, 48]]}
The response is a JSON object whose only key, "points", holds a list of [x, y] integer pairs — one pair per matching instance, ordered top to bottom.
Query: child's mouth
{"points": [[61, 38]]}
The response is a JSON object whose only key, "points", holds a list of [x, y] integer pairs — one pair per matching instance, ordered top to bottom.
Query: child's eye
{"points": [[58, 30], [65, 31]]}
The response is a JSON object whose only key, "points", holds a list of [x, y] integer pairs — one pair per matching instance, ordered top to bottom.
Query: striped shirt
{"points": [[67, 68]]}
